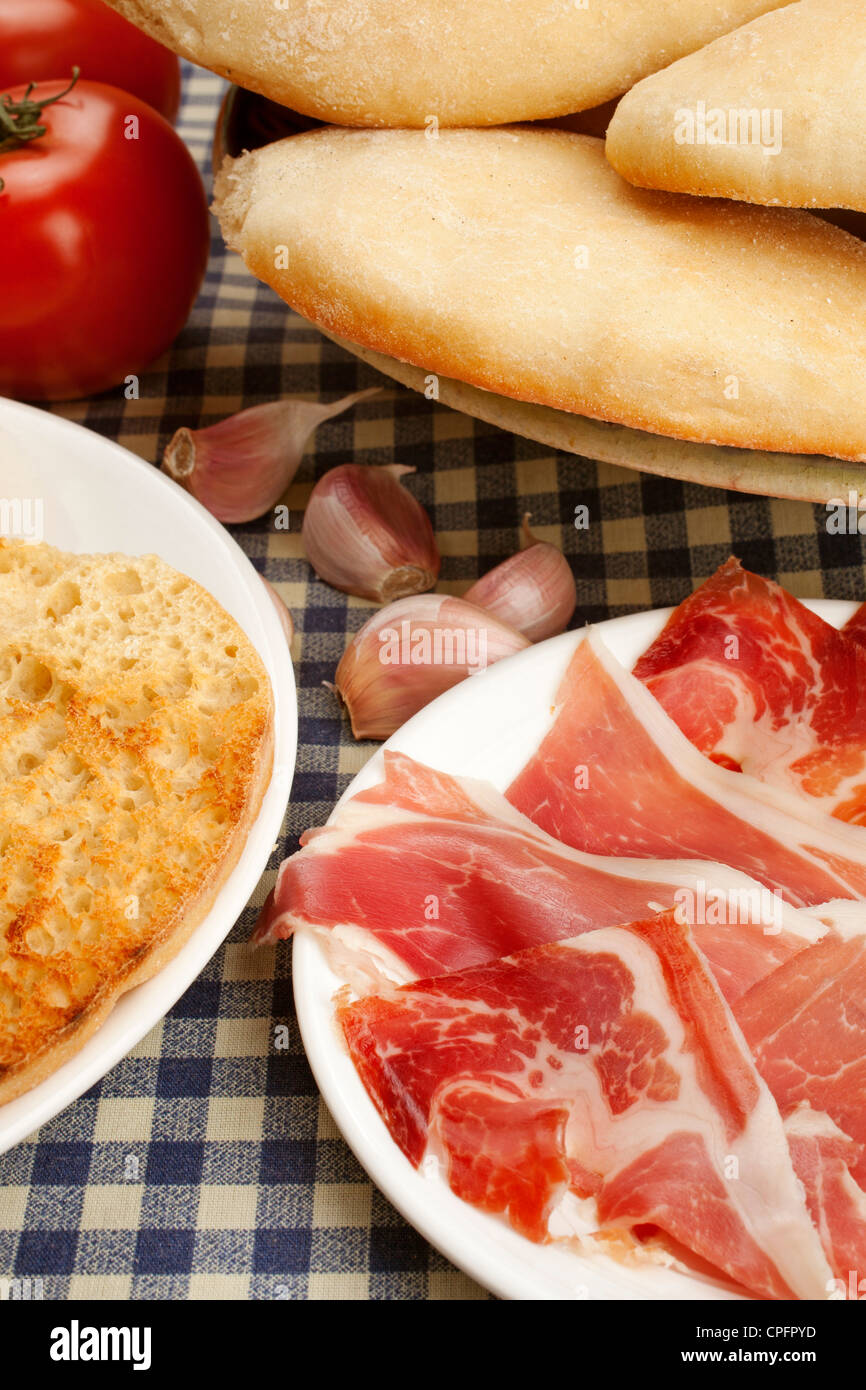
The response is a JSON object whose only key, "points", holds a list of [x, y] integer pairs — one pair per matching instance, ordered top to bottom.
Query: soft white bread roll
{"points": [[464, 62], [771, 114], [518, 261]]}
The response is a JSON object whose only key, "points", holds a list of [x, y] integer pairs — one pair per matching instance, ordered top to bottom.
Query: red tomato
{"points": [[48, 38], [104, 230]]}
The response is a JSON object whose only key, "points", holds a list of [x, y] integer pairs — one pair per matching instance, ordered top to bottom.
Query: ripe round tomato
{"points": [[48, 38], [104, 229]]}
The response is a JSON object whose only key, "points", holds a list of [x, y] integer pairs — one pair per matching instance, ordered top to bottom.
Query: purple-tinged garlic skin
{"points": [[240, 467], [366, 535], [533, 590], [410, 652]]}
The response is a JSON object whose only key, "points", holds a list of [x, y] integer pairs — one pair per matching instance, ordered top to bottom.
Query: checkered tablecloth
{"points": [[205, 1165]]}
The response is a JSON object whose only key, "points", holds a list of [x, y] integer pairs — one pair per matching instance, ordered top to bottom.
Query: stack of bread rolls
{"points": [[667, 279]]}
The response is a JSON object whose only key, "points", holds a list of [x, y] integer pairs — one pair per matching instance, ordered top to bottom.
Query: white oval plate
{"points": [[96, 496], [486, 727]]}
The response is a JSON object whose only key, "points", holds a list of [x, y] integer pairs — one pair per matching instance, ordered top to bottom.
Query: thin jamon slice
{"points": [[855, 628], [760, 684], [614, 775], [426, 873], [806, 1026], [607, 1065], [823, 1158]]}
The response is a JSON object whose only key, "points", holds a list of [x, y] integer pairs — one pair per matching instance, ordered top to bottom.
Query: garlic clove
{"points": [[241, 466], [365, 534], [533, 590], [283, 613], [410, 652]]}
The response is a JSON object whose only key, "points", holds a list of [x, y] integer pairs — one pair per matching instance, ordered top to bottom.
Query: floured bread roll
{"points": [[464, 62], [772, 113], [518, 261]]}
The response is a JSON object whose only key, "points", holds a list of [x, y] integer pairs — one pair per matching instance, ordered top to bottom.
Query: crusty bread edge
{"points": [[647, 167], [235, 189], [804, 477]]}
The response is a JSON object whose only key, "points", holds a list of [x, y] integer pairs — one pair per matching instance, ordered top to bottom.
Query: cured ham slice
{"points": [[855, 628], [760, 684], [614, 775], [425, 874], [806, 1026], [608, 1066], [823, 1158]]}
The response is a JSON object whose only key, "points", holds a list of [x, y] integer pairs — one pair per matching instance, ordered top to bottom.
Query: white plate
{"points": [[95, 496], [486, 727]]}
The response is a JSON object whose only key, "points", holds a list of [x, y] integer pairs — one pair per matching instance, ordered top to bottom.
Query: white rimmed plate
{"points": [[81, 492], [486, 727]]}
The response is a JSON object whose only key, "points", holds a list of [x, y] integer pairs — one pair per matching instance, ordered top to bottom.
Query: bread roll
{"points": [[462, 62], [771, 114], [518, 261], [805, 477]]}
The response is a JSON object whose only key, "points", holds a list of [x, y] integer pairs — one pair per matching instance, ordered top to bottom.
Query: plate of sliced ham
{"points": [[580, 958]]}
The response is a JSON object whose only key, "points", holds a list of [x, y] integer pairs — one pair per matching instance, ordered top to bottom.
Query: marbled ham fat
{"points": [[759, 683], [425, 873], [615, 1051]]}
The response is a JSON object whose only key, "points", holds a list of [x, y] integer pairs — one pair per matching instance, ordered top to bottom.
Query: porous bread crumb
{"points": [[135, 733]]}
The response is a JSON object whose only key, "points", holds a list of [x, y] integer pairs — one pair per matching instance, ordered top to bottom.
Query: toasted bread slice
{"points": [[136, 743]]}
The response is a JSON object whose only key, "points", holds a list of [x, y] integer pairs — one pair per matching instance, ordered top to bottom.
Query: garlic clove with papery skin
{"points": [[241, 466], [366, 535], [533, 590], [410, 652]]}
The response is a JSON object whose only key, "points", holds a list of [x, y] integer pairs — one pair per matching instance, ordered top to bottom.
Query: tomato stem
{"points": [[19, 120]]}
